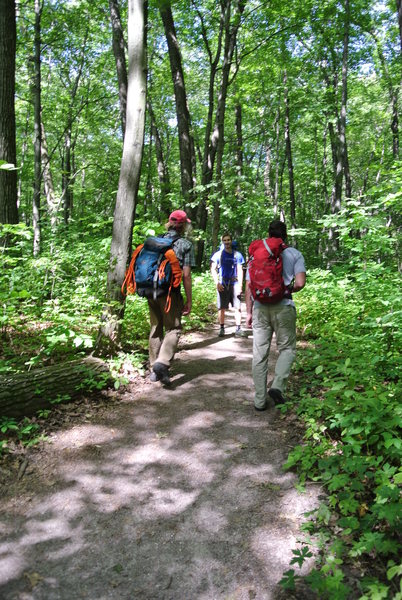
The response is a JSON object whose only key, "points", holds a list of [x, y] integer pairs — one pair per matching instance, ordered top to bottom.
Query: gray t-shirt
{"points": [[293, 263]]}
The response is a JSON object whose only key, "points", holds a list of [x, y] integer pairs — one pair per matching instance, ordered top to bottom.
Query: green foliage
{"points": [[136, 318], [349, 401], [26, 432]]}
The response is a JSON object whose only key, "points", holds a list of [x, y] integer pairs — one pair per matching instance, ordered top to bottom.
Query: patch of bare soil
{"points": [[155, 493]]}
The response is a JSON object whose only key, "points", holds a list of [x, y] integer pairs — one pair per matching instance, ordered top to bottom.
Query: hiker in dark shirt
{"points": [[166, 326]]}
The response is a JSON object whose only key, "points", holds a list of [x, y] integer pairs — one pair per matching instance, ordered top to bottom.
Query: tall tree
{"points": [[399, 13], [229, 24], [120, 58], [36, 100], [218, 139], [186, 142], [288, 144], [8, 153], [68, 156], [162, 167], [130, 172], [52, 205]]}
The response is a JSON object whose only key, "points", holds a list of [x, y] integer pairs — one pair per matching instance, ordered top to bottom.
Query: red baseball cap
{"points": [[179, 216]]}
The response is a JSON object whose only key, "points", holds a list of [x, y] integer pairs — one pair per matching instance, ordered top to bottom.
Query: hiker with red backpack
{"points": [[156, 270], [275, 272], [227, 273]]}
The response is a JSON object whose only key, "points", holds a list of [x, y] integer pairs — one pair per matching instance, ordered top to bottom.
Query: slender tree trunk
{"points": [[399, 12], [120, 58], [393, 91], [395, 124], [277, 134], [217, 140], [186, 142], [340, 147], [24, 148], [239, 150], [289, 151], [8, 153], [207, 161], [162, 167], [130, 172], [325, 172], [267, 174], [66, 177], [348, 179], [48, 182], [67, 193], [36, 220]]}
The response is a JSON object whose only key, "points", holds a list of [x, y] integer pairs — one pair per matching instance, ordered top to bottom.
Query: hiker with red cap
{"points": [[166, 325]]}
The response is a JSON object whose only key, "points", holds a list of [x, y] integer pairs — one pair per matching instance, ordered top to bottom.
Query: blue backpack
{"points": [[154, 269]]}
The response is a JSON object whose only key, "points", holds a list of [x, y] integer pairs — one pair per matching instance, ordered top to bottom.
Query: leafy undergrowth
{"points": [[52, 307], [349, 399]]}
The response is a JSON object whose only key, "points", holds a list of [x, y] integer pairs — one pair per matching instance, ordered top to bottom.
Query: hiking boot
{"points": [[221, 332], [240, 333], [162, 373], [153, 377], [276, 396], [260, 408]]}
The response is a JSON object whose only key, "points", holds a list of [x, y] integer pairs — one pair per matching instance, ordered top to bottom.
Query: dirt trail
{"points": [[172, 494]]}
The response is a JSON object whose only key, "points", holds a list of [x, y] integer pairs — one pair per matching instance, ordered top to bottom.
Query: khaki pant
{"points": [[268, 319], [165, 329]]}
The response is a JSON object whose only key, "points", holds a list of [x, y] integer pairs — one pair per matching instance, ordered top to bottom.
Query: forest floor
{"points": [[152, 493]]}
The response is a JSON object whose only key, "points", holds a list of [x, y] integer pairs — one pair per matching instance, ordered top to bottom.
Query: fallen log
{"points": [[23, 394]]}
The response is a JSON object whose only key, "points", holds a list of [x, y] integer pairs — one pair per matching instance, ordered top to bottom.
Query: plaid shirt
{"points": [[183, 249]]}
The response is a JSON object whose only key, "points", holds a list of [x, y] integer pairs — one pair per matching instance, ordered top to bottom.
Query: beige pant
{"points": [[268, 319], [165, 329]]}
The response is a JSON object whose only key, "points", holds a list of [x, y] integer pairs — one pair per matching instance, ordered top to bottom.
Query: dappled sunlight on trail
{"points": [[175, 493]]}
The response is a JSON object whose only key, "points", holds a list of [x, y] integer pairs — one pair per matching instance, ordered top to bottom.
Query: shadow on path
{"points": [[171, 494]]}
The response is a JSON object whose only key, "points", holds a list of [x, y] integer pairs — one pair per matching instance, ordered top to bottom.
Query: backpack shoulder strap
{"points": [[268, 248], [177, 274]]}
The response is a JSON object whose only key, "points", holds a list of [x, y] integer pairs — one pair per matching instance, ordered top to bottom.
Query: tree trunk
{"points": [[399, 12], [120, 58], [36, 88], [393, 91], [277, 134], [218, 138], [186, 141], [340, 144], [24, 148], [289, 150], [239, 151], [8, 153], [207, 160], [163, 172], [325, 172], [267, 174], [66, 177], [129, 180], [48, 182], [67, 191], [23, 394]]}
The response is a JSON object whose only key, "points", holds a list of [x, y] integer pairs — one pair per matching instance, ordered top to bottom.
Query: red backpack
{"points": [[265, 270]]}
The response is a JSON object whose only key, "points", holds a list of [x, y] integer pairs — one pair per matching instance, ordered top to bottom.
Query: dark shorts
{"points": [[229, 296]]}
